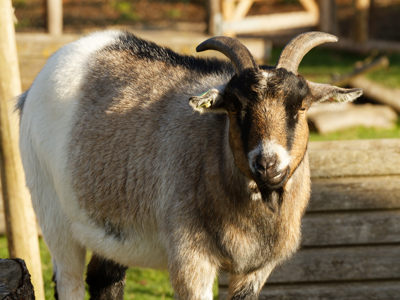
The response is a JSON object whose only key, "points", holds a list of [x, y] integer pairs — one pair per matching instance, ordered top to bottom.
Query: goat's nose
{"points": [[263, 166]]}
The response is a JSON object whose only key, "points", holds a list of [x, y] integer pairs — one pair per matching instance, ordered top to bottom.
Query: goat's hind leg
{"points": [[105, 278]]}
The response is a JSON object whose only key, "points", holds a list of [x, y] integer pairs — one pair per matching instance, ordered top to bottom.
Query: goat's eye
{"points": [[302, 109]]}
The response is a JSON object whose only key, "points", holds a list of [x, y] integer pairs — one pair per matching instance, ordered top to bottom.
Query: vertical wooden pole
{"points": [[327, 16], [54, 17], [214, 17], [361, 21], [20, 219]]}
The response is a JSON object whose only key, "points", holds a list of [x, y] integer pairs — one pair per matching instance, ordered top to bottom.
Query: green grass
{"points": [[141, 284]]}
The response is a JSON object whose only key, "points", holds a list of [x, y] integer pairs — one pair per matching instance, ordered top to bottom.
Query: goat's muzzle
{"points": [[268, 174]]}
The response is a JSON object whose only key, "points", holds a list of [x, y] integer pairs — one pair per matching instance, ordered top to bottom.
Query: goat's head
{"points": [[267, 107]]}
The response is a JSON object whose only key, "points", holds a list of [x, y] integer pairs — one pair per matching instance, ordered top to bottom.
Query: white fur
{"points": [[47, 120], [270, 148]]}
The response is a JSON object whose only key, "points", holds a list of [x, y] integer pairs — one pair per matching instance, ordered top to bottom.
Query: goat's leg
{"points": [[68, 266], [192, 276], [105, 278], [248, 287]]}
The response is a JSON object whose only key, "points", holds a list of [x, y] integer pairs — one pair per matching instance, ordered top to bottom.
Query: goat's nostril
{"points": [[260, 164]]}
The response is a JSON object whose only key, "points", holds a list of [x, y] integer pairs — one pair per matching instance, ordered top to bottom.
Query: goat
{"points": [[150, 158]]}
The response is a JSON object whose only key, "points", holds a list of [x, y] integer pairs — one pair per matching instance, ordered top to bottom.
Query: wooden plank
{"points": [[242, 9], [270, 23], [355, 158], [355, 193], [351, 228], [337, 264], [388, 290]]}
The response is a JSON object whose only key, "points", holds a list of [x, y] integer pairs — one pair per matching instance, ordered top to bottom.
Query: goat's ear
{"points": [[325, 92], [210, 101]]}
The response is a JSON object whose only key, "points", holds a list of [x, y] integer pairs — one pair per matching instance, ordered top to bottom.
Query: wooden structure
{"points": [[54, 17], [228, 17], [20, 220], [351, 231], [15, 280]]}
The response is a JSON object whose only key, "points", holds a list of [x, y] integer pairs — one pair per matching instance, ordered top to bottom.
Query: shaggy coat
{"points": [[119, 161]]}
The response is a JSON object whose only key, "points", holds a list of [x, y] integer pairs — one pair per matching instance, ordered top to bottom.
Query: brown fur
{"points": [[140, 155]]}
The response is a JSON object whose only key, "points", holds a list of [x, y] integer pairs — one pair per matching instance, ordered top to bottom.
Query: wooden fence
{"points": [[351, 231]]}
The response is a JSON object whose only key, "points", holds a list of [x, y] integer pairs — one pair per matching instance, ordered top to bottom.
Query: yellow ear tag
{"points": [[206, 104]]}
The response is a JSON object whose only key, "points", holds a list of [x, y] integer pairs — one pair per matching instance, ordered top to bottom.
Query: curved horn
{"points": [[231, 48], [295, 50]]}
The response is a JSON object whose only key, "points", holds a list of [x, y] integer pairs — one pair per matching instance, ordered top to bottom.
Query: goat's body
{"points": [[119, 163]]}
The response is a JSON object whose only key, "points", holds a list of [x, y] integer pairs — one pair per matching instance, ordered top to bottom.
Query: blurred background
{"points": [[367, 56]]}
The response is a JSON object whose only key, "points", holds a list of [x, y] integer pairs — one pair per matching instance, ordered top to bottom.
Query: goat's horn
{"points": [[233, 49], [295, 50]]}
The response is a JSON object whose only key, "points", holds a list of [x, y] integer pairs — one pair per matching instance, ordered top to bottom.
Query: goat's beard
{"points": [[273, 198]]}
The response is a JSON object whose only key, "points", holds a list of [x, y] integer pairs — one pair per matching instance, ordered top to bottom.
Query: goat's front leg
{"points": [[192, 275], [248, 287]]}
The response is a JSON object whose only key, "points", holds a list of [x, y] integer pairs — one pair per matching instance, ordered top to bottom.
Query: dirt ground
{"points": [[83, 15]]}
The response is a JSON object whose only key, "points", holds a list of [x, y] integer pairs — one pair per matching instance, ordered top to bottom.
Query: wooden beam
{"points": [[310, 6], [242, 9], [328, 16], [54, 17], [214, 17], [273, 22], [361, 27], [379, 157], [355, 193], [20, 220], [351, 228], [337, 264], [375, 290]]}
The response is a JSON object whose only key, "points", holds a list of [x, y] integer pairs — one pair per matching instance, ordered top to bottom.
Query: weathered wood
{"points": [[310, 6], [242, 8], [327, 16], [54, 17], [214, 17], [361, 19], [270, 23], [378, 92], [367, 115], [355, 158], [355, 193], [20, 219], [334, 229], [338, 264], [15, 280], [376, 290]]}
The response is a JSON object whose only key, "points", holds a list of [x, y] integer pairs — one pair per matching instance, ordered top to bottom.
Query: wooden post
{"points": [[327, 16], [54, 17], [214, 17], [361, 21], [20, 219]]}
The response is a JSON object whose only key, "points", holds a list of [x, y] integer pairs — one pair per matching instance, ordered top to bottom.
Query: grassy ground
{"points": [[141, 284]]}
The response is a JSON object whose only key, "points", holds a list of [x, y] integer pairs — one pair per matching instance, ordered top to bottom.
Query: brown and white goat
{"points": [[118, 162]]}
